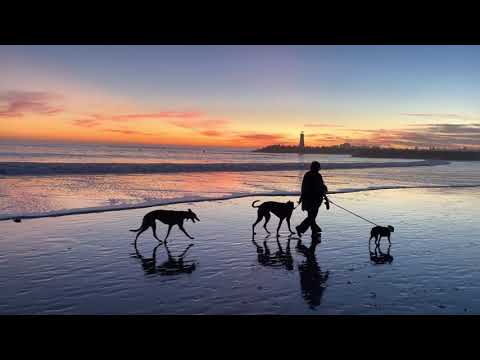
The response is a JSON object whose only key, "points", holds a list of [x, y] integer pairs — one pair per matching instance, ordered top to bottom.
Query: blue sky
{"points": [[261, 87]]}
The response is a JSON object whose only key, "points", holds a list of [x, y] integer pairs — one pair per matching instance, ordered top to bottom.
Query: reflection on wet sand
{"points": [[379, 257], [279, 259], [173, 266], [312, 279]]}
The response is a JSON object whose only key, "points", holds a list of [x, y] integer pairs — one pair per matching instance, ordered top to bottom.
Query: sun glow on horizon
{"points": [[242, 97]]}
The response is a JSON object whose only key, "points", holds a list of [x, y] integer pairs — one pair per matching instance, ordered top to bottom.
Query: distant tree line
{"points": [[378, 152]]}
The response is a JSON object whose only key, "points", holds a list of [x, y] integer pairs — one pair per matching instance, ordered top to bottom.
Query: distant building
{"points": [[301, 144]]}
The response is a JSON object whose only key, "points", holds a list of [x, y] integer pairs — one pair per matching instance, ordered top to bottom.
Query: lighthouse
{"points": [[301, 144]]}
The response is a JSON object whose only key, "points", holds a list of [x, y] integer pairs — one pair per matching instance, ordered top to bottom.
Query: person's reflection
{"points": [[379, 257], [280, 259], [174, 265], [312, 279]]}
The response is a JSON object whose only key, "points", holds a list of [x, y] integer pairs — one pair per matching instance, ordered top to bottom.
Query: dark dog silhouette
{"points": [[281, 210], [169, 217], [378, 232], [174, 265]]}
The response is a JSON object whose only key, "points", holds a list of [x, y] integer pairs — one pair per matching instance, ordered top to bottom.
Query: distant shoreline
{"points": [[377, 152]]}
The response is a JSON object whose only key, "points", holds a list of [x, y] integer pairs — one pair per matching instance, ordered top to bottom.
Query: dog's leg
{"points": [[259, 218], [267, 218], [288, 223], [279, 224], [154, 230], [141, 231], [184, 231], [168, 233], [389, 239], [279, 246], [267, 250], [183, 254]]}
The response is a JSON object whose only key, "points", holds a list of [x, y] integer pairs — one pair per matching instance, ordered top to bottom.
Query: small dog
{"points": [[281, 210], [169, 217], [378, 232]]}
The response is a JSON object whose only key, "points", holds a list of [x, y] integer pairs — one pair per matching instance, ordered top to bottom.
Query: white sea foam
{"points": [[32, 168], [185, 200]]}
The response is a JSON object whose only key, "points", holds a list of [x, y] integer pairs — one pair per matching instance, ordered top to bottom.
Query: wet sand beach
{"points": [[87, 264]]}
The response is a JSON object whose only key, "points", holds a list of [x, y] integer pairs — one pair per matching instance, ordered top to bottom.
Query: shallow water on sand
{"points": [[27, 195], [86, 264]]}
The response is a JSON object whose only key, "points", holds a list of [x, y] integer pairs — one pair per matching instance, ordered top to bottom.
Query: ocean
{"points": [[52, 179], [86, 262]]}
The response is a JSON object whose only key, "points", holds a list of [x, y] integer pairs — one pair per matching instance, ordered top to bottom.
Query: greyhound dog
{"points": [[281, 210], [169, 217]]}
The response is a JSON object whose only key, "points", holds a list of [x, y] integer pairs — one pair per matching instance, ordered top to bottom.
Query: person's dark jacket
{"points": [[313, 190]]}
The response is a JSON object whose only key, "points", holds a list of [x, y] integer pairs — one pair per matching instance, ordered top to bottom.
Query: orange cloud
{"points": [[160, 115], [188, 120], [88, 123], [199, 123], [322, 125], [128, 132], [211, 133], [262, 137]]}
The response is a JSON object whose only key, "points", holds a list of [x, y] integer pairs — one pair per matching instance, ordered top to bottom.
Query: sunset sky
{"points": [[241, 96]]}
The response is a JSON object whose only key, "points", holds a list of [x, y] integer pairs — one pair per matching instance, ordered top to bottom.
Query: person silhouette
{"points": [[314, 191]]}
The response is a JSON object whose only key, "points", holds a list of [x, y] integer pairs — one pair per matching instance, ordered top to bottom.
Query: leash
{"points": [[351, 212]]}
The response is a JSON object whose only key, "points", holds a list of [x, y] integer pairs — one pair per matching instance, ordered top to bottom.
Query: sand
{"points": [[86, 264]]}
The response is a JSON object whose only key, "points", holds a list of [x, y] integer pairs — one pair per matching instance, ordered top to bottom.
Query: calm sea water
{"points": [[88, 153], [27, 195]]}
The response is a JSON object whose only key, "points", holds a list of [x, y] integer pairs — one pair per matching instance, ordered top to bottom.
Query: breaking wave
{"points": [[32, 168], [202, 199]]}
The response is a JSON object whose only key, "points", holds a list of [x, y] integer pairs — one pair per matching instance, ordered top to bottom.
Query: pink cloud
{"points": [[18, 103], [159, 115], [441, 116], [183, 119], [88, 123], [199, 123], [128, 132], [211, 133], [262, 137]]}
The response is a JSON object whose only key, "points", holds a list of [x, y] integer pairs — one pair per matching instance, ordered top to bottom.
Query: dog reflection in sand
{"points": [[379, 257], [279, 259], [174, 265]]}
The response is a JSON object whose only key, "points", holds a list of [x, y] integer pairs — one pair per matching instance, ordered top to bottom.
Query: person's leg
{"points": [[313, 224], [303, 225]]}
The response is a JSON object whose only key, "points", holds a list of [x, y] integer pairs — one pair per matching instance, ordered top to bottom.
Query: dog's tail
{"points": [[253, 204], [144, 225], [141, 226]]}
